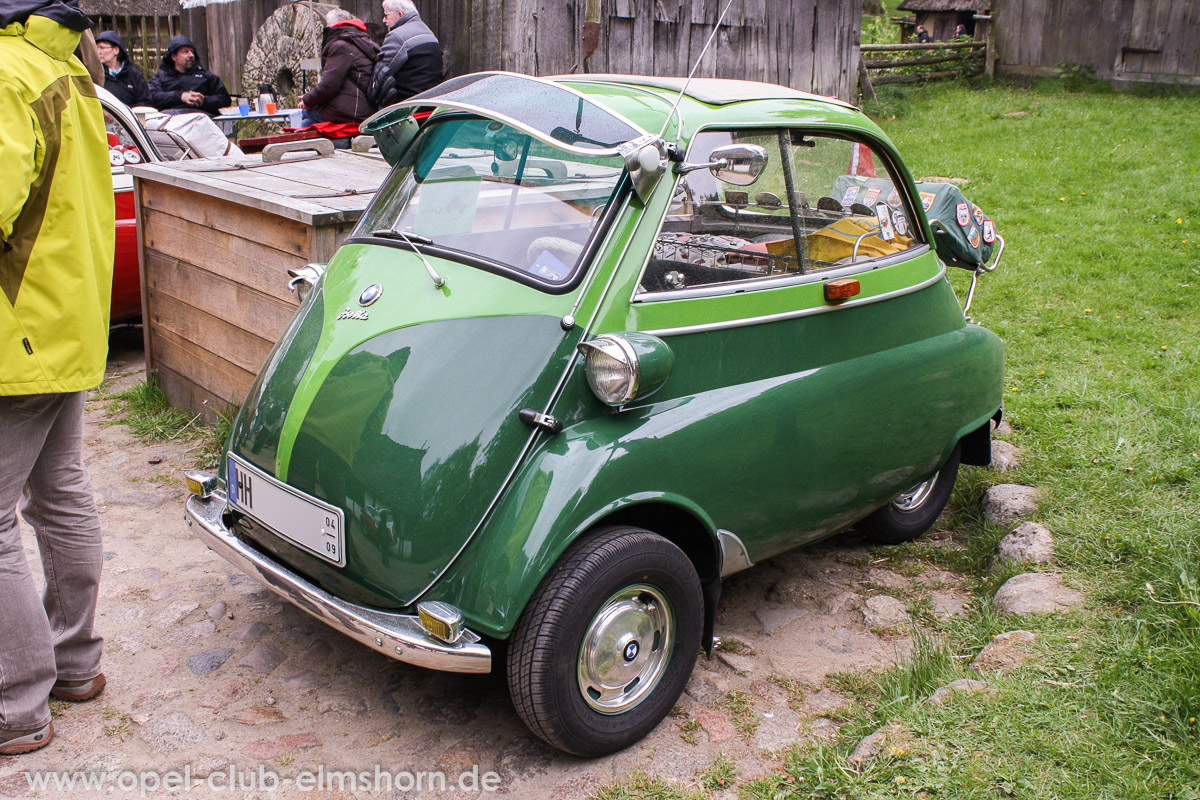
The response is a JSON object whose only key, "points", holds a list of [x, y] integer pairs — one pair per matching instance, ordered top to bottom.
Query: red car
{"points": [[128, 143]]}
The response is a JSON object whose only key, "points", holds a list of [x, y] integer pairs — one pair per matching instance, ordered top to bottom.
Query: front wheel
{"points": [[913, 511], [607, 642]]}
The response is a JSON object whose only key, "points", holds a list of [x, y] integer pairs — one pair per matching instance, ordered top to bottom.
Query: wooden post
{"points": [[983, 31], [864, 81]]}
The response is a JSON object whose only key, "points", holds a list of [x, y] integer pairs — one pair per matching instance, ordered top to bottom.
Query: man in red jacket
{"points": [[347, 58]]}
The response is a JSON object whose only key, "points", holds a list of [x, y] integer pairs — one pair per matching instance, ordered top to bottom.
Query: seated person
{"points": [[347, 59], [121, 76], [183, 85]]}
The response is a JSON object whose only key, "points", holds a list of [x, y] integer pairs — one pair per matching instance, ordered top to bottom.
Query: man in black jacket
{"points": [[411, 59], [121, 76], [182, 84]]}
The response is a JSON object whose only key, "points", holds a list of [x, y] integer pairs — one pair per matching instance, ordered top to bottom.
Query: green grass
{"points": [[1098, 301], [144, 408]]}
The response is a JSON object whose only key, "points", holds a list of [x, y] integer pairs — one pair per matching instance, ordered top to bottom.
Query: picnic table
{"points": [[231, 123]]}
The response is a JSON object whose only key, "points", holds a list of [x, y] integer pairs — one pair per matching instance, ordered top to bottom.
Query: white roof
{"points": [[714, 91]]}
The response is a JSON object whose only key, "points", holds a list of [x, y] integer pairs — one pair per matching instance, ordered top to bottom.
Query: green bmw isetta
{"points": [[598, 342]]}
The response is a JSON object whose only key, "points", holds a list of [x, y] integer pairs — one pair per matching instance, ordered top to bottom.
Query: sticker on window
{"points": [[894, 199], [884, 214], [900, 221]]}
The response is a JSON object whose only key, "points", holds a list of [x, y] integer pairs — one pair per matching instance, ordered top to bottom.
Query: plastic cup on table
{"points": [[271, 107], [243, 108]]}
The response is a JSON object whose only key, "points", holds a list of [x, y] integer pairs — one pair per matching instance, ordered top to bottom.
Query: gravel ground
{"points": [[208, 673]]}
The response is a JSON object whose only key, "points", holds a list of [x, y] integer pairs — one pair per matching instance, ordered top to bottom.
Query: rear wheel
{"points": [[913, 511], [607, 643]]}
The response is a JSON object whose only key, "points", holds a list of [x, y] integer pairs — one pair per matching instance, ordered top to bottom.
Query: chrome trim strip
{"points": [[781, 281], [805, 312], [734, 557], [399, 636]]}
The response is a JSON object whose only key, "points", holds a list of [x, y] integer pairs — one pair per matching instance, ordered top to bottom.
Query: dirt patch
{"points": [[208, 672]]}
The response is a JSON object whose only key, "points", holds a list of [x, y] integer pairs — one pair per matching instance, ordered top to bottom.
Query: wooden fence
{"points": [[145, 37], [806, 44], [964, 59]]}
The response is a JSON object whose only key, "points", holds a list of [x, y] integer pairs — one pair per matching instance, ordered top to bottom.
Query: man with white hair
{"points": [[411, 59]]}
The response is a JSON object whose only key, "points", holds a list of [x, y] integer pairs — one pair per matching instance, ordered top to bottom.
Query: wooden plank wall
{"points": [[1123, 40], [806, 44], [215, 290]]}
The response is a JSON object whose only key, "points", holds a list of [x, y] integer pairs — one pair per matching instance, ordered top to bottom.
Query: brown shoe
{"points": [[78, 691], [13, 743]]}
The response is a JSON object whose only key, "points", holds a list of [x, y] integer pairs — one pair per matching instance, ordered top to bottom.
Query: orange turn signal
{"points": [[841, 289]]}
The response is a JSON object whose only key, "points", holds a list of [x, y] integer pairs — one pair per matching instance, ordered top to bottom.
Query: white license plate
{"points": [[303, 520]]}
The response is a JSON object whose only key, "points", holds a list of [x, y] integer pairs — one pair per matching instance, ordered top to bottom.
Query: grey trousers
{"points": [[52, 637]]}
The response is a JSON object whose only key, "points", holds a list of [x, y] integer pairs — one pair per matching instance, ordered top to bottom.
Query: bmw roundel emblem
{"points": [[370, 294], [631, 651]]}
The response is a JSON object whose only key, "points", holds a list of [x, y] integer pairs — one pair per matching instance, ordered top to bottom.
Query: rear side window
{"points": [[832, 197]]}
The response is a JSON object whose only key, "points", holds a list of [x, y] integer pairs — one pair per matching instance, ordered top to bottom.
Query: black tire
{"points": [[908, 515], [633, 575]]}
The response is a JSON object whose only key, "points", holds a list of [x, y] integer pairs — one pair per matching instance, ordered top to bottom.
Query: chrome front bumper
{"points": [[399, 636]]}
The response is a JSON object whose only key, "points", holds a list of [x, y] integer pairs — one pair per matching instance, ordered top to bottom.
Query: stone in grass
{"points": [[1006, 456], [1008, 503], [1028, 543], [1035, 593], [883, 611], [1004, 652], [962, 686], [891, 739]]}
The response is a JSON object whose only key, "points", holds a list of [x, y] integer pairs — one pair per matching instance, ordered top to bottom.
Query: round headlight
{"points": [[623, 367], [612, 369]]}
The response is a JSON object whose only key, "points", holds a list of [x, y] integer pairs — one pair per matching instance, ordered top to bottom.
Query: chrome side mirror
{"points": [[646, 159], [739, 164], [303, 279]]}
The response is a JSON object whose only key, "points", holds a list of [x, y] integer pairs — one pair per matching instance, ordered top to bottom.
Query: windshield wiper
{"points": [[392, 233], [409, 239]]}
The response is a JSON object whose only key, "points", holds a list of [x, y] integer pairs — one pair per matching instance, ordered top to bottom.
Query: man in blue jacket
{"points": [[411, 58], [182, 84]]}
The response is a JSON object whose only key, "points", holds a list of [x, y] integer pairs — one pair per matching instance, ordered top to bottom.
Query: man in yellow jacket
{"points": [[56, 257]]}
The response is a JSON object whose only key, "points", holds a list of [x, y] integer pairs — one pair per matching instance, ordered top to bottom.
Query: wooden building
{"points": [[942, 17], [145, 25], [1124, 41], [806, 44]]}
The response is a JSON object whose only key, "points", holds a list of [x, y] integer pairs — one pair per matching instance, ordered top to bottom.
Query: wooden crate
{"points": [[216, 239]]}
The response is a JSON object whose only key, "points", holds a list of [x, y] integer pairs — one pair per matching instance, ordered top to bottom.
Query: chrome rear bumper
{"points": [[399, 636]]}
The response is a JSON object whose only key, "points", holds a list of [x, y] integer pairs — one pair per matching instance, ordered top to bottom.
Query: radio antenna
{"points": [[695, 66]]}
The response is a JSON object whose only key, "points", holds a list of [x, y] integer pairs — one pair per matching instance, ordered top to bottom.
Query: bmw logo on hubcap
{"points": [[370, 294], [631, 651]]}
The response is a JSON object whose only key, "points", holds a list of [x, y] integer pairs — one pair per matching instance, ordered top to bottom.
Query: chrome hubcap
{"points": [[915, 497], [625, 649]]}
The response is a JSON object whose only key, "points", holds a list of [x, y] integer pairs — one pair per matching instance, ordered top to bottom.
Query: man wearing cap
{"points": [[182, 84], [56, 260]]}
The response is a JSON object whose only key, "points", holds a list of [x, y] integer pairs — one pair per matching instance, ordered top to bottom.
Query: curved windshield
{"points": [[483, 192]]}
